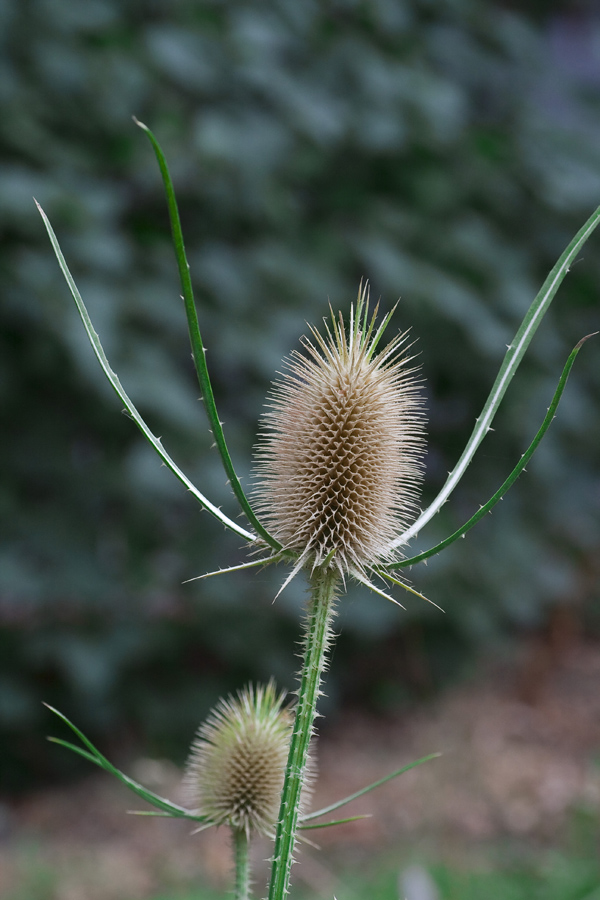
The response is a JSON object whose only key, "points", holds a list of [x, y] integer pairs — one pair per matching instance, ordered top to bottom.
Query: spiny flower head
{"points": [[341, 450], [234, 774]]}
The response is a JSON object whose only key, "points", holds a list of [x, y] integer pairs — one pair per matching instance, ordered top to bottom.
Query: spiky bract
{"points": [[340, 455], [235, 770]]}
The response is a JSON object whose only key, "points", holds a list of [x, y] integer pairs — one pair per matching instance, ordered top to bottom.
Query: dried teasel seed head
{"points": [[340, 456], [234, 774]]}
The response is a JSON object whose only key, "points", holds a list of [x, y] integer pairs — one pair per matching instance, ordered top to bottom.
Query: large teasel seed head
{"points": [[340, 454], [234, 774]]}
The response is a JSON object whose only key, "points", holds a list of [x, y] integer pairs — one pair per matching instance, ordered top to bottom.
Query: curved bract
{"points": [[198, 351], [512, 358], [121, 393], [520, 467]]}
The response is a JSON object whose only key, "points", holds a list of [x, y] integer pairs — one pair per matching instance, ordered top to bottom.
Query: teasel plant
{"points": [[338, 469]]}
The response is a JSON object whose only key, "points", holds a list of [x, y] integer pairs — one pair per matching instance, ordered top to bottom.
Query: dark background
{"points": [[446, 151]]}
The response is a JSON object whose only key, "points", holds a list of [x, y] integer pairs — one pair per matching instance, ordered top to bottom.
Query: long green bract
{"points": [[198, 351], [512, 358], [121, 393], [483, 510], [93, 755], [370, 787], [330, 824]]}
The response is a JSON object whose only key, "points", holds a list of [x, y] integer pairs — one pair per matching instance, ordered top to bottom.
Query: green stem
{"points": [[318, 636], [242, 864]]}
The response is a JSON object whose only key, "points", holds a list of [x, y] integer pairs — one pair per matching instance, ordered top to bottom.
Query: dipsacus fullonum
{"points": [[340, 453]]}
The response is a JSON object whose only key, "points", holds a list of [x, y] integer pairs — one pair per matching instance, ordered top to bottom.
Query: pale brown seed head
{"points": [[340, 456], [234, 774]]}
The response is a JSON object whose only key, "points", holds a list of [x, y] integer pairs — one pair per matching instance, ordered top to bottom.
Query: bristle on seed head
{"points": [[340, 454]]}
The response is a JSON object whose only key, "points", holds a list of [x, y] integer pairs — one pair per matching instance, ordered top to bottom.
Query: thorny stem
{"points": [[318, 636], [242, 864]]}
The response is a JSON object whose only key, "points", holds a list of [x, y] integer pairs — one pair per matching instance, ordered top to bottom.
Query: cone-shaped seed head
{"points": [[340, 454], [234, 774]]}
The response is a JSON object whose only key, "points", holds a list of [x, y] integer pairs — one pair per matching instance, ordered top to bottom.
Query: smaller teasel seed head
{"points": [[340, 454], [235, 770]]}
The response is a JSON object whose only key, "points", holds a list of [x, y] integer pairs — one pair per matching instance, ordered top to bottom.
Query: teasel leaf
{"points": [[198, 351], [514, 354], [121, 393], [487, 507], [94, 756], [370, 787], [334, 822]]}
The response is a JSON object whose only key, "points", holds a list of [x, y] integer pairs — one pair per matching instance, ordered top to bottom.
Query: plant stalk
{"points": [[318, 635], [242, 864]]}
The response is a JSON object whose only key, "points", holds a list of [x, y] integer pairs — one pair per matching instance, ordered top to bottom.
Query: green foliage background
{"points": [[447, 152]]}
